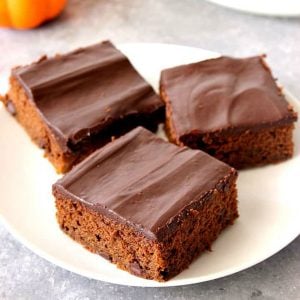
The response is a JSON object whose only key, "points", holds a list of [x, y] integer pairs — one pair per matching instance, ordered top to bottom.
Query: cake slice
{"points": [[72, 104], [230, 108], [147, 205]]}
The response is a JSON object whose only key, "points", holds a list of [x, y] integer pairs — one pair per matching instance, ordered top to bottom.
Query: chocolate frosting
{"points": [[83, 92], [224, 93], [141, 180]]}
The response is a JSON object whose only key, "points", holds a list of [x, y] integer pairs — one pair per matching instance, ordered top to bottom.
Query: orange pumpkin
{"points": [[25, 14]]}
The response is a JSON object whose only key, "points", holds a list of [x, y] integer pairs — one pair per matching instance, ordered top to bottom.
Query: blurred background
{"points": [[188, 22], [23, 275]]}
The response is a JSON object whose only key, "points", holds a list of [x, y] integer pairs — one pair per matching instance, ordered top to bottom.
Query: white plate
{"points": [[280, 8], [268, 198]]}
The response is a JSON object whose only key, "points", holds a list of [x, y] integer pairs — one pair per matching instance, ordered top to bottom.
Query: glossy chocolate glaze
{"points": [[83, 92], [224, 94], [143, 181]]}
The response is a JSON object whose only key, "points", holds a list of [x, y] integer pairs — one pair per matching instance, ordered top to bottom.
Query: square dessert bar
{"points": [[74, 103], [230, 108], [146, 205]]}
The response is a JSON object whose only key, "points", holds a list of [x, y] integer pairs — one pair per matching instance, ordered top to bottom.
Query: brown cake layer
{"points": [[74, 103], [230, 108], [148, 206]]}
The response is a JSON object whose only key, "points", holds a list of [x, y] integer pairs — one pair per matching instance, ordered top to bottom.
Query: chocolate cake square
{"points": [[72, 104], [230, 108], [147, 205]]}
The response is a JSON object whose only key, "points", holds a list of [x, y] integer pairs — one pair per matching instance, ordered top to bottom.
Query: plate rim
{"points": [[236, 6]]}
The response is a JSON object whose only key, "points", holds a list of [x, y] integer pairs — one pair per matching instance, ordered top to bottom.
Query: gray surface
{"points": [[23, 275]]}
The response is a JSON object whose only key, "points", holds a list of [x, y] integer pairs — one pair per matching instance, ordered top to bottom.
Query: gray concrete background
{"points": [[23, 275]]}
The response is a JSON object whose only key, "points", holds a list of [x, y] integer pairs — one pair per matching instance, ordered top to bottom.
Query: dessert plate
{"points": [[279, 8], [268, 197]]}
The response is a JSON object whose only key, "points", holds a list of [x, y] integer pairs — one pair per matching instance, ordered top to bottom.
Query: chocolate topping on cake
{"points": [[85, 91], [224, 93], [144, 181]]}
